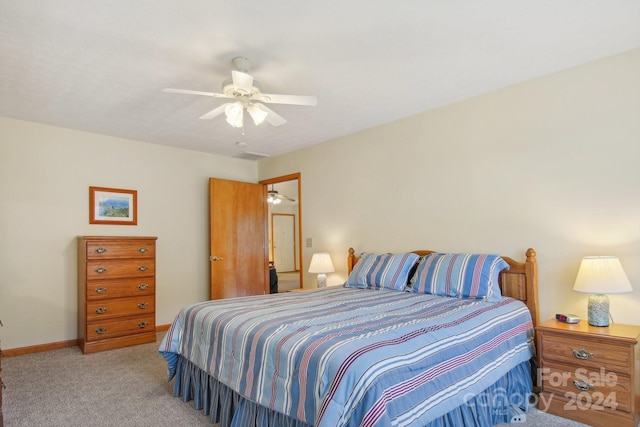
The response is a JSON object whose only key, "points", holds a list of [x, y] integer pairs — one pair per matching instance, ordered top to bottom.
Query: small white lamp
{"points": [[321, 264], [600, 275]]}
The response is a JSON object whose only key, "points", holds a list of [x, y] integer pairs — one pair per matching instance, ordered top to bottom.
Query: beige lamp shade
{"points": [[321, 264], [601, 275], [598, 276]]}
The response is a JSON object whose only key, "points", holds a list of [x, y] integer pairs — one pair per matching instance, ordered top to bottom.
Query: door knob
{"points": [[216, 258]]}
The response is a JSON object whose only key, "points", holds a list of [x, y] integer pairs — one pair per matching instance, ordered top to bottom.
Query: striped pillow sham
{"points": [[377, 271], [460, 275]]}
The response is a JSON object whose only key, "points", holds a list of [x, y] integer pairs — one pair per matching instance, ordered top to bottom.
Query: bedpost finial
{"points": [[352, 252], [531, 254]]}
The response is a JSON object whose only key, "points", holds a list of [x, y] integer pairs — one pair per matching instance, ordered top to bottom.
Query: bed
{"points": [[415, 339]]}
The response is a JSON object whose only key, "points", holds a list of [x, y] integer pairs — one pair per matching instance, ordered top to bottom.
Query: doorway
{"points": [[284, 219]]}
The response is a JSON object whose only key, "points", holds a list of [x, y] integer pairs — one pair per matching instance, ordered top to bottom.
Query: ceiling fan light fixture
{"points": [[234, 113], [257, 113], [273, 200]]}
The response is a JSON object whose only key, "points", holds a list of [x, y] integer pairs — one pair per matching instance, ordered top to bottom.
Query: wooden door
{"points": [[238, 239], [284, 240]]}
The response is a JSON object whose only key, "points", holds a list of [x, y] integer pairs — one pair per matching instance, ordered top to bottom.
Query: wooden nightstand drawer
{"points": [[587, 353], [589, 388]]}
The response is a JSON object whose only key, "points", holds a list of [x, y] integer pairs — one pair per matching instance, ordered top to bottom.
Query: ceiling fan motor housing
{"points": [[229, 89]]}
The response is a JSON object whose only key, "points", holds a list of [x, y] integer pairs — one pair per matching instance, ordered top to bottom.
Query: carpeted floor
{"points": [[288, 281], [124, 387]]}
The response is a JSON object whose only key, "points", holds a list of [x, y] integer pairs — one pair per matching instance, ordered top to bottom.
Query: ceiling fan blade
{"points": [[242, 80], [195, 92], [271, 98], [215, 112], [257, 113], [273, 118], [282, 196]]}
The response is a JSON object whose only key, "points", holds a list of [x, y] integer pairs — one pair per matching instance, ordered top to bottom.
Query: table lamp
{"points": [[321, 264], [598, 276]]}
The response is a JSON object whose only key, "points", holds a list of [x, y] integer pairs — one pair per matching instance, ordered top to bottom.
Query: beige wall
{"points": [[551, 164], [45, 174]]}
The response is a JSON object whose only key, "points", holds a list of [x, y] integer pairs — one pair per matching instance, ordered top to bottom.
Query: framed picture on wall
{"points": [[113, 206]]}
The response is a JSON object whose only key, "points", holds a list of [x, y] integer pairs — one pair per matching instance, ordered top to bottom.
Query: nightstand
{"points": [[590, 374]]}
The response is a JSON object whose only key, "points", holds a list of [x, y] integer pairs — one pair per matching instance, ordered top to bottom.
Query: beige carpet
{"points": [[288, 281], [125, 387]]}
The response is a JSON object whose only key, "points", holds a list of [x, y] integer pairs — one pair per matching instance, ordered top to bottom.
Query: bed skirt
{"points": [[224, 406]]}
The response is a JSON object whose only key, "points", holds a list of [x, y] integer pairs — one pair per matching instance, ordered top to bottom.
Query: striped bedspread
{"points": [[352, 357]]}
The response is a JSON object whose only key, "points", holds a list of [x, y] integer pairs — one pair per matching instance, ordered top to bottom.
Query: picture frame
{"points": [[113, 206]]}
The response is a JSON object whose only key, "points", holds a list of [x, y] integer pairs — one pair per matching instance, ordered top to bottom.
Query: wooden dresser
{"points": [[116, 292], [590, 374]]}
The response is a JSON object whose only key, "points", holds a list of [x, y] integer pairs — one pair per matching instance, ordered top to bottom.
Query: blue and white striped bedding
{"points": [[353, 357]]}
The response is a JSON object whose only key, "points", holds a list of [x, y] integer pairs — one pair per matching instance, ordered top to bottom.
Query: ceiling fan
{"points": [[246, 94], [274, 197]]}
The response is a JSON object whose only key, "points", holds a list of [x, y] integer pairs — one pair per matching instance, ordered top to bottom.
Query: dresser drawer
{"points": [[99, 249], [107, 269], [102, 289], [118, 307], [117, 328], [587, 353], [588, 388]]}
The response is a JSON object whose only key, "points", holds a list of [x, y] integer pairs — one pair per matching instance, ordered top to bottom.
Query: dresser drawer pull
{"points": [[101, 250], [143, 250], [143, 268], [101, 270], [143, 286], [101, 290], [143, 305], [101, 310], [143, 324], [101, 331], [582, 354], [582, 385]]}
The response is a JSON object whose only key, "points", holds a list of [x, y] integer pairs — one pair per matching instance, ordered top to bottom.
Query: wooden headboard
{"points": [[520, 281]]}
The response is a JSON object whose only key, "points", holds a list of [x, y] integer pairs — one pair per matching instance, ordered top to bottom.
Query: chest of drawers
{"points": [[116, 292], [590, 374]]}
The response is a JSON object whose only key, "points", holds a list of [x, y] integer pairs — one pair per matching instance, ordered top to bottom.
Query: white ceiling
{"points": [[99, 66]]}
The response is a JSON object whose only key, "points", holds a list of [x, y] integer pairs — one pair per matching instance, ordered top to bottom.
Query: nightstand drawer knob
{"points": [[101, 250], [143, 250], [143, 268], [101, 270], [143, 286], [101, 290], [143, 305], [101, 310], [142, 325], [101, 331], [582, 354], [582, 385]]}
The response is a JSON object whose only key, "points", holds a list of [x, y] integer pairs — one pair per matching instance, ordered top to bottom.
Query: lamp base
{"points": [[322, 280], [598, 310]]}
